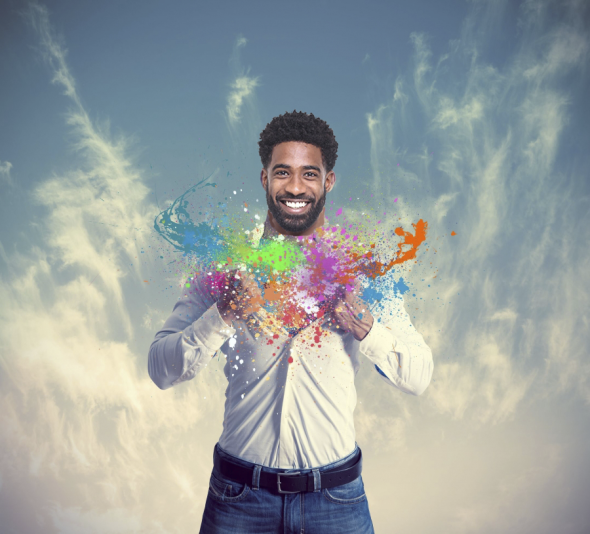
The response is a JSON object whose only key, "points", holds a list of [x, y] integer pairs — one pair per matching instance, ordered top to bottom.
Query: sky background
{"points": [[474, 115]]}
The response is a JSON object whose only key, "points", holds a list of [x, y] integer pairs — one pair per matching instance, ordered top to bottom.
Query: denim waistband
{"points": [[219, 452]]}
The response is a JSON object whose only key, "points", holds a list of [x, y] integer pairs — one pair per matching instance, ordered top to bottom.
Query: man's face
{"points": [[296, 184]]}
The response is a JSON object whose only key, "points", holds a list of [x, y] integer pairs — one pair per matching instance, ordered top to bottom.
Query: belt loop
{"points": [[256, 477], [317, 480]]}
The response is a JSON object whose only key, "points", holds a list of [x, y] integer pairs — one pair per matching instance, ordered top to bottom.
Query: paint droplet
{"points": [[339, 212], [453, 233], [290, 360]]}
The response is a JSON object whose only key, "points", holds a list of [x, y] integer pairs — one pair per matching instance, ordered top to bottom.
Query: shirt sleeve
{"points": [[189, 338], [398, 351]]}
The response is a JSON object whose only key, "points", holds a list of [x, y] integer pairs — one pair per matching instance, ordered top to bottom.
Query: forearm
{"points": [[178, 355], [402, 357], [165, 360]]}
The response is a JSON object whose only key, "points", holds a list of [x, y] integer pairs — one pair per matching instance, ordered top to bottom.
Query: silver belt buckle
{"points": [[279, 475]]}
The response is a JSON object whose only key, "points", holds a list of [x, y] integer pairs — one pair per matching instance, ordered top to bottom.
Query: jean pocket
{"points": [[225, 490], [350, 493]]}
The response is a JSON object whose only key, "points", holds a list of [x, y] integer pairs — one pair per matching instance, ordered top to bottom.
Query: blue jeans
{"points": [[234, 508]]}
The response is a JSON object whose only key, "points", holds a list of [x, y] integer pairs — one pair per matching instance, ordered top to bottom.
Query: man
{"points": [[287, 460]]}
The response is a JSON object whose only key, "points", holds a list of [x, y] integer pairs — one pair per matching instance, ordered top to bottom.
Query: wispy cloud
{"points": [[242, 89], [241, 97], [496, 141], [5, 167], [506, 315], [93, 419], [91, 445], [497, 509], [73, 520]]}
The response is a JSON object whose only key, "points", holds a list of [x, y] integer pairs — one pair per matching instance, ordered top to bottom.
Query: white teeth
{"points": [[295, 205]]}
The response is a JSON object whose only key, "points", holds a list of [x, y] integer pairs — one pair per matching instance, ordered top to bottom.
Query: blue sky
{"points": [[472, 114]]}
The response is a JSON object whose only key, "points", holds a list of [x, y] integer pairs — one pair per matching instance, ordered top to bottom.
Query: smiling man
{"points": [[296, 184], [287, 460]]}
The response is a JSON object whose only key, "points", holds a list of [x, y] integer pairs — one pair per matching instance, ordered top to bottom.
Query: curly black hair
{"points": [[299, 126]]}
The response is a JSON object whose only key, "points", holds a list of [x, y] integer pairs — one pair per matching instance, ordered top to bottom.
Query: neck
{"points": [[317, 224]]}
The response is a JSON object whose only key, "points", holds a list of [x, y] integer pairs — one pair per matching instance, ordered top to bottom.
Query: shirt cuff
{"points": [[211, 330], [373, 346]]}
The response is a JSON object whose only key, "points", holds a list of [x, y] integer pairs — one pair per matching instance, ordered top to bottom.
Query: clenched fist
{"points": [[240, 297], [350, 313]]}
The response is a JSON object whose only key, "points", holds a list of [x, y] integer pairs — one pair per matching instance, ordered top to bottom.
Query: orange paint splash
{"points": [[377, 268]]}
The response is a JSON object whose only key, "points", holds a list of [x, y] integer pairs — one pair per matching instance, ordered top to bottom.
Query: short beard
{"points": [[295, 223]]}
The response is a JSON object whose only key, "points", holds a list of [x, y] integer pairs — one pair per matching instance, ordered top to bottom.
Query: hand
{"points": [[240, 297], [350, 313]]}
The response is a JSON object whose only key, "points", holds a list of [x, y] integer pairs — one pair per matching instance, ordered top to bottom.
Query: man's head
{"points": [[298, 152]]}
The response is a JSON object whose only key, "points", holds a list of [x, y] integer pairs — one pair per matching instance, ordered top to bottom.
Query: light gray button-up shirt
{"points": [[289, 399]]}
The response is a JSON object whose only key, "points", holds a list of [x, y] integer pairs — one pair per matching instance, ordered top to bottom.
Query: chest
{"points": [[318, 352]]}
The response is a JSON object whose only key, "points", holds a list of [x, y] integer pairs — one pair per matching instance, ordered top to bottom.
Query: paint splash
{"points": [[298, 276]]}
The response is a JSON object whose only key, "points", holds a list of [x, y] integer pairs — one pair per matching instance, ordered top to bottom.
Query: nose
{"points": [[296, 185]]}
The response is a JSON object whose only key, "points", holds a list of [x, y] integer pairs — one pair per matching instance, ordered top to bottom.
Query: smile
{"points": [[294, 204], [295, 207]]}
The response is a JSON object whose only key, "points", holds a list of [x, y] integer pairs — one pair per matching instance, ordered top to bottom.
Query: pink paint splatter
{"points": [[339, 212]]}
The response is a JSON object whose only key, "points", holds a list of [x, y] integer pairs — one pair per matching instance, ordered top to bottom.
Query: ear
{"points": [[264, 178], [330, 181]]}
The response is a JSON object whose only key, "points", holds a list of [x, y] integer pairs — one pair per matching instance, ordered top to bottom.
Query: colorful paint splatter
{"points": [[297, 276]]}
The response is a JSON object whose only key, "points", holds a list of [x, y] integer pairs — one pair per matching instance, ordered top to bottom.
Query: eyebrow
{"points": [[305, 167]]}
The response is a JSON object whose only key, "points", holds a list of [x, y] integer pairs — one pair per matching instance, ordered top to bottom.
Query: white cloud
{"points": [[567, 48], [242, 89], [241, 109], [449, 114], [496, 137], [5, 167], [442, 205], [506, 314], [153, 319], [78, 409], [538, 491], [74, 520]]}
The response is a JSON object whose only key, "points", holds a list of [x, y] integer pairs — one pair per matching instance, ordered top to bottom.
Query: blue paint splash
{"points": [[176, 226]]}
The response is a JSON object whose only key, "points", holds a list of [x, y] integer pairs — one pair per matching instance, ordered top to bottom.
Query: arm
{"points": [[188, 339], [396, 349], [399, 352]]}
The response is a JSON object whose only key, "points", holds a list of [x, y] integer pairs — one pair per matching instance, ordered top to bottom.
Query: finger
{"points": [[251, 289], [340, 292], [339, 306], [350, 309]]}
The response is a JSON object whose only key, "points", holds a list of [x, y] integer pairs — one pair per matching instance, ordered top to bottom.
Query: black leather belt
{"points": [[294, 482]]}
